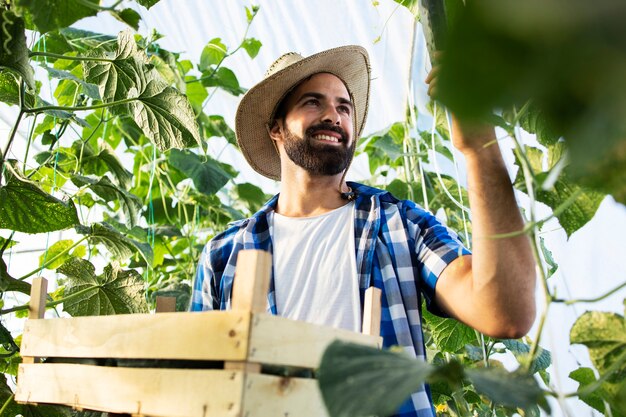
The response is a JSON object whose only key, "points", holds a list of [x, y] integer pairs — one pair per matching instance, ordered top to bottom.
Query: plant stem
{"points": [[69, 58], [70, 109], [4, 154], [51, 260], [590, 300], [51, 303], [6, 404]]}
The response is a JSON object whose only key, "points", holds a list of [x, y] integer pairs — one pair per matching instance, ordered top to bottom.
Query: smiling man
{"points": [[331, 239]]}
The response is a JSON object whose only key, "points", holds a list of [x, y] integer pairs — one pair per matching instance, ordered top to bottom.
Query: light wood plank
{"points": [[252, 280], [165, 304], [36, 307], [372, 311], [215, 335], [280, 341], [139, 391], [272, 396]]}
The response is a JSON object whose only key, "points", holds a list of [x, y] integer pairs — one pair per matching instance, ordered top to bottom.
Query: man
{"points": [[331, 240]]}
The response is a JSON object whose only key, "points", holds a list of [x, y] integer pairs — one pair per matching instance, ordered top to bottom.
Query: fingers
{"points": [[431, 80]]}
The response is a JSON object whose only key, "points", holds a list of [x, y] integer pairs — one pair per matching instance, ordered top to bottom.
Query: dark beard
{"points": [[318, 158]]}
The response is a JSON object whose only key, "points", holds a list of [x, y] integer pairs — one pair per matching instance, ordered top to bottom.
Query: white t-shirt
{"points": [[314, 264]]}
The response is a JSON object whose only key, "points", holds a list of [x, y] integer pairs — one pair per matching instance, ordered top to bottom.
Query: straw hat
{"points": [[257, 107]]}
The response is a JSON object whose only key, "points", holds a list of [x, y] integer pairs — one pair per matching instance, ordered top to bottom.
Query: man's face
{"points": [[318, 125]]}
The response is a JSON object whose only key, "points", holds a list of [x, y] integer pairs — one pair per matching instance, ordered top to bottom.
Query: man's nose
{"points": [[331, 116]]}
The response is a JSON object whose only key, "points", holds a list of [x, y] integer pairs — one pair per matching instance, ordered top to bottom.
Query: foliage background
{"points": [[392, 60]]}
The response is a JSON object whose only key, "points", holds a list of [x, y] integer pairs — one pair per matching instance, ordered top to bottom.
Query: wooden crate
{"points": [[233, 349]]}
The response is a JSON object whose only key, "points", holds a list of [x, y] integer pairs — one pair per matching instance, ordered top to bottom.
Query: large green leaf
{"points": [[49, 15], [128, 16], [13, 49], [123, 74], [89, 89], [166, 117], [206, 173], [105, 189], [251, 195], [24, 207], [120, 246], [8, 283], [115, 291], [604, 334], [449, 335], [356, 380], [518, 390]]}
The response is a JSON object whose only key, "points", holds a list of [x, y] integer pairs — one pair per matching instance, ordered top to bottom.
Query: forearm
{"points": [[503, 269], [493, 290]]}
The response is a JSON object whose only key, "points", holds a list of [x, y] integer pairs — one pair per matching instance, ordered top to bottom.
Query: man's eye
{"points": [[311, 102], [345, 109]]}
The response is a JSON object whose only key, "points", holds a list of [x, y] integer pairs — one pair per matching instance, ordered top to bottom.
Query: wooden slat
{"points": [[251, 283], [36, 307], [372, 311], [215, 335], [280, 341], [138, 391], [272, 396]]}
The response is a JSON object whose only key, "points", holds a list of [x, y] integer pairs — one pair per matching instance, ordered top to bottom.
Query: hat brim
{"points": [[349, 63]]}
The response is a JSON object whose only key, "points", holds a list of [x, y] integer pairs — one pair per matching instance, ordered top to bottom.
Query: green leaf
{"points": [[147, 3], [412, 5], [49, 15], [128, 16], [252, 46], [13, 49], [212, 54], [124, 75], [225, 79], [90, 90], [10, 91], [196, 93], [166, 117], [215, 125], [105, 161], [206, 173], [105, 189], [251, 195], [24, 207], [120, 246], [56, 249], [116, 291], [604, 334], [449, 335], [7, 342], [521, 350], [585, 377], [356, 380], [519, 390]]}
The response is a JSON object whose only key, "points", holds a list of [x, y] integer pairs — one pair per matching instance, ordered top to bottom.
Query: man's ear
{"points": [[276, 130]]}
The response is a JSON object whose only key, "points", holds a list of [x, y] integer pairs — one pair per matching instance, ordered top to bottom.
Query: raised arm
{"points": [[492, 290]]}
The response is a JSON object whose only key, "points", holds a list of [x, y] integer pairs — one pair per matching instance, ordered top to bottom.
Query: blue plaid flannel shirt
{"points": [[400, 248]]}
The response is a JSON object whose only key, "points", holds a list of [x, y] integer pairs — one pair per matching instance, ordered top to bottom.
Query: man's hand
{"points": [[467, 136]]}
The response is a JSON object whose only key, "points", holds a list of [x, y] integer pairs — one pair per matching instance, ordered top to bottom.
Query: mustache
{"points": [[325, 126]]}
